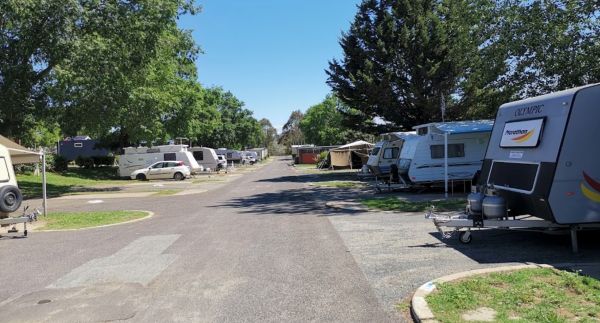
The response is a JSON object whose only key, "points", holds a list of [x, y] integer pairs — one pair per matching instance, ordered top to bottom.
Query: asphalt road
{"points": [[262, 247], [250, 250]]}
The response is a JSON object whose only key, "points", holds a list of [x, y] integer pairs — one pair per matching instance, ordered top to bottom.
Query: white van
{"points": [[136, 158], [10, 195]]}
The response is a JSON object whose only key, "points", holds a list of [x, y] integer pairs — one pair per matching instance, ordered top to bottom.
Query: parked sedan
{"points": [[162, 170]]}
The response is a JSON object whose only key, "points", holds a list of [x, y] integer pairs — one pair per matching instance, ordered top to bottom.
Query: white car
{"points": [[162, 170]]}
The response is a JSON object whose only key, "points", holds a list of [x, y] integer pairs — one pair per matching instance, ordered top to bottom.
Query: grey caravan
{"points": [[386, 152], [231, 155], [544, 156], [206, 157], [425, 157]]}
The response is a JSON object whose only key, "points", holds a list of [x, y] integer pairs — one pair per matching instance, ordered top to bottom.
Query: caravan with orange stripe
{"points": [[541, 170]]}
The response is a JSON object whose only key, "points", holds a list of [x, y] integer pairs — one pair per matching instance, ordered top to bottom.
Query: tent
{"points": [[22, 155], [352, 155]]}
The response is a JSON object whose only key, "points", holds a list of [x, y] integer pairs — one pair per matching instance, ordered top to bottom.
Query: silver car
{"points": [[163, 170]]}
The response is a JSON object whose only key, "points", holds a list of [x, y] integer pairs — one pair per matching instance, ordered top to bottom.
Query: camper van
{"points": [[387, 152], [230, 154], [425, 154], [206, 157], [543, 157], [135, 158], [10, 195]]}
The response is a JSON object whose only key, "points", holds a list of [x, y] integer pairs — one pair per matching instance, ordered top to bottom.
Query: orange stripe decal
{"points": [[524, 137]]}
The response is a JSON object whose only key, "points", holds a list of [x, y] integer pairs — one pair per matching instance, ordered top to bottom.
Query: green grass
{"points": [[208, 180], [71, 181], [340, 184], [166, 192], [396, 204], [78, 220], [528, 295]]}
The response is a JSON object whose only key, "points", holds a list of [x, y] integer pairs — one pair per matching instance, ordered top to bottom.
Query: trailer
{"points": [[207, 158], [541, 169]]}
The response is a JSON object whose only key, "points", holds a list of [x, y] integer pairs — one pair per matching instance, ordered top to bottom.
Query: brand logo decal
{"points": [[534, 109], [524, 135], [590, 188]]}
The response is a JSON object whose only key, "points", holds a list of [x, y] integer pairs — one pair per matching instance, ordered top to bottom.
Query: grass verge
{"points": [[71, 181], [340, 184], [166, 192], [395, 204], [79, 220], [528, 295]]}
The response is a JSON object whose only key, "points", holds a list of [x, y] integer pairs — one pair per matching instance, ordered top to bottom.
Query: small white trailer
{"points": [[136, 158], [207, 158], [541, 169]]}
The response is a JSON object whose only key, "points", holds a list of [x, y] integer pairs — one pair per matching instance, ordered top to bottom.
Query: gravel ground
{"points": [[400, 251]]}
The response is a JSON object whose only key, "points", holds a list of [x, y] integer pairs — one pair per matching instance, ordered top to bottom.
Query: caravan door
{"points": [[389, 155]]}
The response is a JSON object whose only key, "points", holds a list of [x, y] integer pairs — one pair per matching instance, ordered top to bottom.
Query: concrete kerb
{"points": [[149, 214], [420, 310]]}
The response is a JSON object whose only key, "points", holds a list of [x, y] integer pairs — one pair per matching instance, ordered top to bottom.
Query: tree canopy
{"points": [[402, 61], [120, 71]]}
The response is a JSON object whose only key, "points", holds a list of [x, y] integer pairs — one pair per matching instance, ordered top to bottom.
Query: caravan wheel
{"points": [[10, 199], [465, 237]]}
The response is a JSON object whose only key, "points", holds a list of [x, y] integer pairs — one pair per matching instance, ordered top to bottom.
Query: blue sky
{"points": [[271, 54]]}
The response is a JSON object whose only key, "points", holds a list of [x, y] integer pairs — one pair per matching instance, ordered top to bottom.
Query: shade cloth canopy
{"points": [[18, 153]]}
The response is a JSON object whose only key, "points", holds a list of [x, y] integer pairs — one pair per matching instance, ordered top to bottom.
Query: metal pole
{"points": [[446, 165], [44, 182]]}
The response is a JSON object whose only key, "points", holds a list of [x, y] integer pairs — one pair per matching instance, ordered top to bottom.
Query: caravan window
{"points": [[422, 131], [78, 145], [375, 151], [454, 151], [391, 153], [198, 155], [170, 156], [4, 173]]}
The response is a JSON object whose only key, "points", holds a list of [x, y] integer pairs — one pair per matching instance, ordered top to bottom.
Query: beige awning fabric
{"points": [[18, 153]]}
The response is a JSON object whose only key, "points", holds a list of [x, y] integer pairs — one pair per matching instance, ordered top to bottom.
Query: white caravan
{"points": [[387, 151], [262, 153], [206, 157], [424, 157], [135, 158], [10, 195]]}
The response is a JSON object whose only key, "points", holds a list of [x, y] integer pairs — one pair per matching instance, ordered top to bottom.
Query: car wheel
{"points": [[178, 176], [141, 177], [10, 198]]}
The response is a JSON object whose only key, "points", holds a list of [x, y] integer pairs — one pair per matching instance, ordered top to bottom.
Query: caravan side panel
{"points": [[424, 168], [575, 193]]}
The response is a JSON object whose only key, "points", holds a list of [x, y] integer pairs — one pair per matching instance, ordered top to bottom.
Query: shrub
{"points": [[322, 156], [103, 160], [85, 162], [59, 163]]}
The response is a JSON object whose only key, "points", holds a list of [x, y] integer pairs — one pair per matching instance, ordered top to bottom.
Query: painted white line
{"points": [[95, 201], [139, 262]]}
